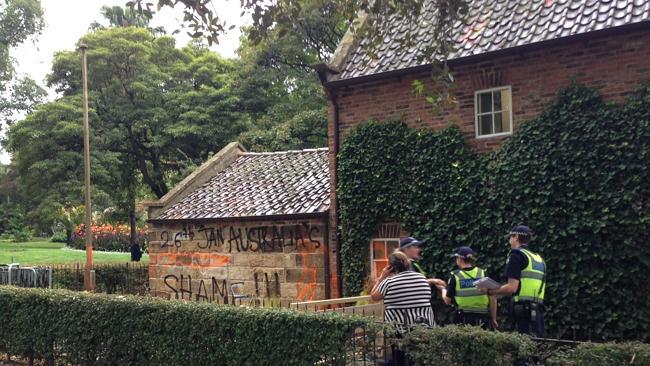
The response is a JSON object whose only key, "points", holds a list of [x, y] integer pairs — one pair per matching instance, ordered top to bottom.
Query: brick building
{"points": [[511, 59], [244, 223]]}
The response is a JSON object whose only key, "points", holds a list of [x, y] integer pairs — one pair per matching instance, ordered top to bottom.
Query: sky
{"points": [[68, 20]]}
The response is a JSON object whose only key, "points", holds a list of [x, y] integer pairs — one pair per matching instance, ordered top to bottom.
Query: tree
{"points": [[118, 16], [266, 16], [19, 20], [371, 20], [21, 95], [283, 96], [160, 106], [306, 130], [46, 152]]}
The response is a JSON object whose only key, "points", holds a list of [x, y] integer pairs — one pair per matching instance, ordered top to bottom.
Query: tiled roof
{"points": [[493, 25], [260, 184]]}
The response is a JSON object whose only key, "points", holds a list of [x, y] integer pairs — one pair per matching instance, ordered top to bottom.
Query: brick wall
{"points": [[613, 64], [273, 259]]}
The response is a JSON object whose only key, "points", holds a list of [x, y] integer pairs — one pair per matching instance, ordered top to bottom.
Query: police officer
{"points": [[411, 247], [526, 273], [472, 306]]}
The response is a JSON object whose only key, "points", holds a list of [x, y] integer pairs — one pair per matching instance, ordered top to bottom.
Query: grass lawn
{"points": [[41, 251]]}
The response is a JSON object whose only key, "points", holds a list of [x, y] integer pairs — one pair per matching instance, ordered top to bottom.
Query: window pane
{"points": [[497, 100], [505, 100], [485, 102], [505, 118], [485, 124], [498, 125], [391, 246], [378, 250], [379, 266]]}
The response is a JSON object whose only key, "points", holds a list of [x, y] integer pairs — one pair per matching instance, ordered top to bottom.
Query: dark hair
{"points": [[399, 261]]}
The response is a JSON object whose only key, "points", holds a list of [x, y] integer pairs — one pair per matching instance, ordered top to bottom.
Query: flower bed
{"points": [[112, 238]]}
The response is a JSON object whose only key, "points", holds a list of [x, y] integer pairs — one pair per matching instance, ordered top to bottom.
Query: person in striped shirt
{"points": [[406, 294]]}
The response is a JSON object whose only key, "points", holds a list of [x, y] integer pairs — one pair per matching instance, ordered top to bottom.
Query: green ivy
{"points": [[577, 174], [86, 329]]}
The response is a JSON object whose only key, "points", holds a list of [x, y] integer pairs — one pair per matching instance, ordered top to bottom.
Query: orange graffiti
{"points": [[191, 260], [307, 285]]}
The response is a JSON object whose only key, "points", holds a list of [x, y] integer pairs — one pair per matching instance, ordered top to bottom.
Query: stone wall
{"points": [[273, 259]]}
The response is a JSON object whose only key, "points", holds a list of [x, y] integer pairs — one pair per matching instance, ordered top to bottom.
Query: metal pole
{"points": [[89, 273]]}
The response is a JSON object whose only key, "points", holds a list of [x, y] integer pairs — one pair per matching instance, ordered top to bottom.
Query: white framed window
{"points": [[493, 112], [380, 249]]}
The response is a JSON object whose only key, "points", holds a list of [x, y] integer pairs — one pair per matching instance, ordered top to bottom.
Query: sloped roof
{"points": [[493, 25], [260, 184]]}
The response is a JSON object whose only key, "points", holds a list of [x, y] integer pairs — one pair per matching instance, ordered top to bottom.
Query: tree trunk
{"points": [[132, 225], [68, 235]]}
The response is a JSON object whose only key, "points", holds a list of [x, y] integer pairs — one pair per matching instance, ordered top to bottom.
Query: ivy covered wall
{"points": [[578, 174]]}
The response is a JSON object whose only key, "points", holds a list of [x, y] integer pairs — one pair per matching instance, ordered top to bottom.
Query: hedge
{"points": [[577, 174], [83, 329], [124, 330], [465, 345], [472, 346], [604, 354]]}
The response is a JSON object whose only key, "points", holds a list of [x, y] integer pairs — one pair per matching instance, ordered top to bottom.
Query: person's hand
{"points": [[440, 284], [483, 290], [495, 324]]}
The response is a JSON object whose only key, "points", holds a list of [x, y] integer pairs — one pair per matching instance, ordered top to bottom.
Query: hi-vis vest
{"points": [[418, 268], [533, 278], [468, 298]]}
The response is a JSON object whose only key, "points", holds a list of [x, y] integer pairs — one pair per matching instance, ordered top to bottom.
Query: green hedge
{"points": [[578, 175], [123, 330], [466, 345], [473, 346], [605, 354]]}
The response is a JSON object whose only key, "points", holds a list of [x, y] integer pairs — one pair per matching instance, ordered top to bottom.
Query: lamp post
{"points": [[89, 273]]}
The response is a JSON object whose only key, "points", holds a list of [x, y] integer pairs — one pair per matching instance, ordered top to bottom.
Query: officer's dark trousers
{"points": [[482, 320], [524, 322]]}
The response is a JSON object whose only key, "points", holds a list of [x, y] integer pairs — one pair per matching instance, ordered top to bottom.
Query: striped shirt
{"points": [[407, 297]]}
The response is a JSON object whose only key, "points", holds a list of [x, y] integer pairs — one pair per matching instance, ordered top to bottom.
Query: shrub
{"points": [[19, 230], [59, 237], [113, 238], [127, 278], [125, 330], [465, 345], [604, 354]]}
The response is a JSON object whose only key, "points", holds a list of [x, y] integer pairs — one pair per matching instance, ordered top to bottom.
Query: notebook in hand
{"points": [[487, 283]]}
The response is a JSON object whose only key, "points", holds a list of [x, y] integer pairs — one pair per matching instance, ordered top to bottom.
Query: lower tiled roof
{"points": [[260, 184]]}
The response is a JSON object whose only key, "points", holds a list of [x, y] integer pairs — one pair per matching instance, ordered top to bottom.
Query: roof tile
{"points": [[493, 25], [260, 184]]}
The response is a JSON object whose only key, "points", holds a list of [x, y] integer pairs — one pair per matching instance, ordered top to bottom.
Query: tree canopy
{"points": [[19, 20], [157, 112]]}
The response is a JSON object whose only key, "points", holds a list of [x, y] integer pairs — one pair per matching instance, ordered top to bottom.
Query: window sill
{"points": [[494, 135]]}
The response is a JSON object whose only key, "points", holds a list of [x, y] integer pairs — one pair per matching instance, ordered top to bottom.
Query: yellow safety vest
{"points": [[418, 268], [533, 279], [468, 298]]}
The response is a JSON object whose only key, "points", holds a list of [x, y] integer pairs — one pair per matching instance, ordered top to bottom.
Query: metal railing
{"points": [[14, 274], [120, 278], [357, 305]]}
